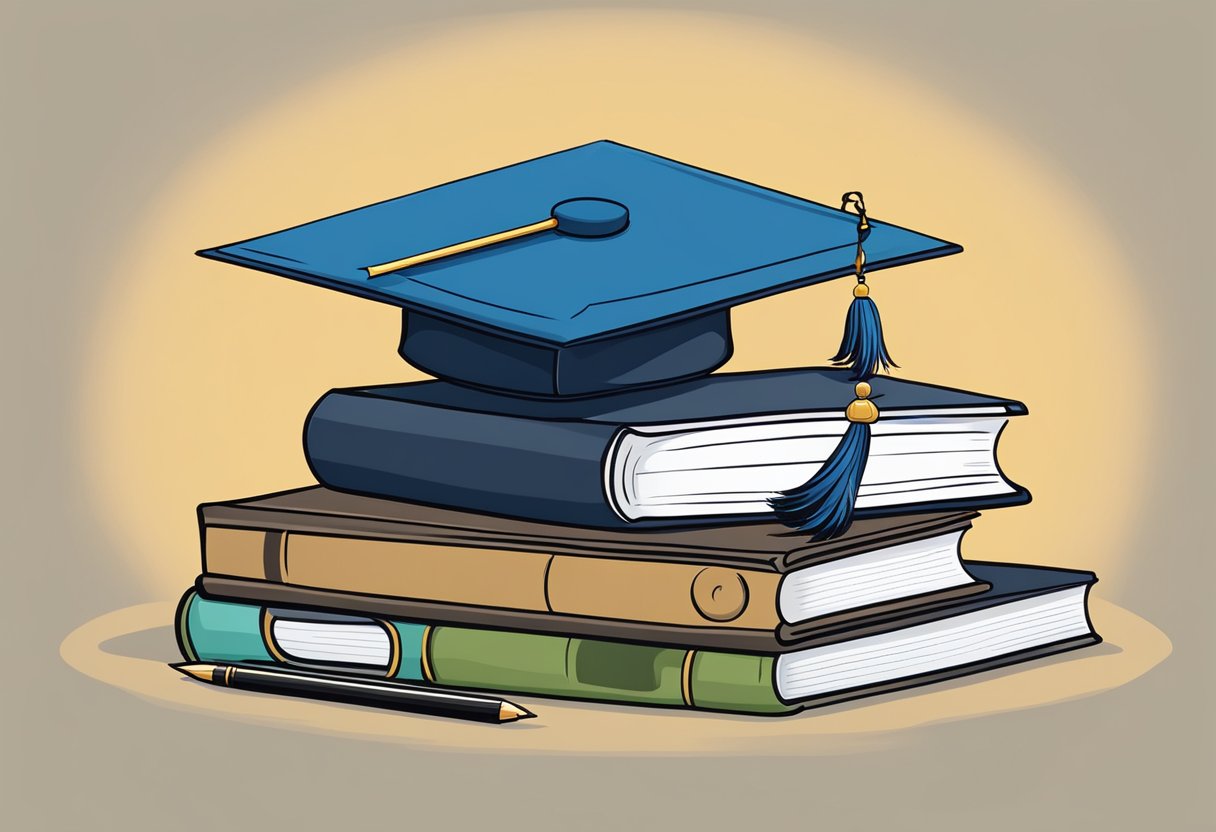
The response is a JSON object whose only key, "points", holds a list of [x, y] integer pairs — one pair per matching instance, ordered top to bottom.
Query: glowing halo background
{"points": [[200, 374]]}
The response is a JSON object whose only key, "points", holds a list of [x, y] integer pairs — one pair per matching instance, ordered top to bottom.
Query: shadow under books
{"points": [[129, 648]]}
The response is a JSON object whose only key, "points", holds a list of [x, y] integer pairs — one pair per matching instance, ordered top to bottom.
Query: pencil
{"points": [[378, 693]]}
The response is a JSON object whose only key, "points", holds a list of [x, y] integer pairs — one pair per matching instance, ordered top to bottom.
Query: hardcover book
{"points": [[711, 450], [752, 586], [1028, 613]]}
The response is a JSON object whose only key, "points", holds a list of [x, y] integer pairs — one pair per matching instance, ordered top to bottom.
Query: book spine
{"points": [[504, 465], [655, 592], [462, 615], [211, 630], [508, 662]]}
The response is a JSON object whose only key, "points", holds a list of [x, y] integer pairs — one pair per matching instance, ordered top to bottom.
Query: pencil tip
{"points": [[195, 670], [509, 712]]}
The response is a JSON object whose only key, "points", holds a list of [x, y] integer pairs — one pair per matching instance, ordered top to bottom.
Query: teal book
{"points": [[1029, 612]]}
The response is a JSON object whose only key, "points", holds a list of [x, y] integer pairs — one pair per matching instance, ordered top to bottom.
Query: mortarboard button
{"points": [[590, 217]]}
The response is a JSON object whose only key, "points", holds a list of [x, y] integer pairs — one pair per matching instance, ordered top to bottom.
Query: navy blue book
{"points": [[707, 451]]}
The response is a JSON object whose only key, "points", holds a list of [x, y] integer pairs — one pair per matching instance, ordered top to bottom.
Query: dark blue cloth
{"points": [[696, 241]]}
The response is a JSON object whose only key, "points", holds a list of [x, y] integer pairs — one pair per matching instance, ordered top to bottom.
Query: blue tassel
{"points": [[862, 348], [824, 505]]}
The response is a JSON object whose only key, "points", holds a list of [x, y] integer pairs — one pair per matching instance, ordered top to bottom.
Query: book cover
{"points": [[707, 451], [753, 586], [1029, 612]]}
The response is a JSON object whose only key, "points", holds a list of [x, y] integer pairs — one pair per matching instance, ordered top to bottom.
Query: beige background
{"points": [[118, 120]]}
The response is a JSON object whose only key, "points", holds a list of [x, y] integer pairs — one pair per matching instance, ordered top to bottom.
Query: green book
{"points": [[1029, 612]]}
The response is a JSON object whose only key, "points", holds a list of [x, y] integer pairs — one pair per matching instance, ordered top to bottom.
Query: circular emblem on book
{"points": [[719, 594]]}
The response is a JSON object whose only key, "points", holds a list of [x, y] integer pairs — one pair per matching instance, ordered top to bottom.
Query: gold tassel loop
{"points": [[858, 203], [861, 409]]}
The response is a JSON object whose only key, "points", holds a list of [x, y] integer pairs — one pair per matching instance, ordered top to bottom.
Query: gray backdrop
{"points": [[101, 101]]}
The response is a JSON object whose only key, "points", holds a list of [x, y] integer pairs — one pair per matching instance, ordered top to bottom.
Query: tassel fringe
{"points": [[863, 349], [824, 505]]}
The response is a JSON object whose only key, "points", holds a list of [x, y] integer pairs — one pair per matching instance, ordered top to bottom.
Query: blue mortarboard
{"points": [[603, 267], [627, 276]]}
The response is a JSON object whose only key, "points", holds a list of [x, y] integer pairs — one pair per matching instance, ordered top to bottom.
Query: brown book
{"points": [[752, 586]]}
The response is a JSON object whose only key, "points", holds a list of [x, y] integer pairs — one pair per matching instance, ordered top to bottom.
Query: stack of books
{"points": [[591, 520]]}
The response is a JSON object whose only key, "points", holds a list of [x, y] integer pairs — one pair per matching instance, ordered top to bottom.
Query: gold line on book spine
{"points": [[283, 557], [182, 628], [268, 637], [394, 641], [428, 672], [686, 678]]}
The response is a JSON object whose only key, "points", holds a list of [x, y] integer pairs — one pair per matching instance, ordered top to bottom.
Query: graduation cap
{"points": [[596, 268], [593, 269]]}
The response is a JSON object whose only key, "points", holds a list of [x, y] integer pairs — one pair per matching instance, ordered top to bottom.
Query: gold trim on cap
{"points": [[686, 678]]}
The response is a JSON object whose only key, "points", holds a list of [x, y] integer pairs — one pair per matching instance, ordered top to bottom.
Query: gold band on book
{"points": [[183, 630], [268, 637], [394, 643], [428, 672], [686, 678]]}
